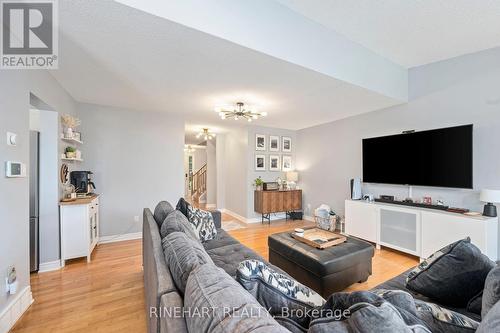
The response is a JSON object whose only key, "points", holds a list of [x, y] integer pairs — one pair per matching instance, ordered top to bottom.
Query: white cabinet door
{"points": [[361, 220], [74, 228], [439, 230]]}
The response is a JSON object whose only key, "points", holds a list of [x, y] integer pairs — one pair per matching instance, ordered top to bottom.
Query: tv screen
{"points": [[440, 157]]}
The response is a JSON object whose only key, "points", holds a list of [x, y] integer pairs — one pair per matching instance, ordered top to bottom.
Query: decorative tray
{"points": [[319, 238]]}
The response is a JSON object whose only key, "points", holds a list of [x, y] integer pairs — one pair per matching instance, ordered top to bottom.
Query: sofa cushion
{"points": [[183, 206], [162, 209], [176, 222], [203, 223], [222, 239], [183, 254], [229, 257], [452, 275], [399, 283], [491, 291], [475, 303], [231, 308], [366, 317], [491, 322]]}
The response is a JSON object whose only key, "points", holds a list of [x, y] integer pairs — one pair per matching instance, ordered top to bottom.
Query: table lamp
{"points": [[292, 177], [490, 197]]}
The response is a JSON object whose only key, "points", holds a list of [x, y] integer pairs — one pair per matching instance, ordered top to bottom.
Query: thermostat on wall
{"points": [[15, 169]]}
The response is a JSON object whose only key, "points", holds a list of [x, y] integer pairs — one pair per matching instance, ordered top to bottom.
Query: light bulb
{"points": [[221, 114], [263, 114], [236, 118], [249, 120], [213, 135], [206, 137], [209, 137]]}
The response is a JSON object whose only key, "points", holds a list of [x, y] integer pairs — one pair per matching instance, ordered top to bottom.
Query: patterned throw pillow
{"points": [[203, 223], [276, 291], [446, 320]]}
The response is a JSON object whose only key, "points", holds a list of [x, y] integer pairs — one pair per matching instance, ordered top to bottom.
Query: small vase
{"points": [[69, 133], [258, 187]]}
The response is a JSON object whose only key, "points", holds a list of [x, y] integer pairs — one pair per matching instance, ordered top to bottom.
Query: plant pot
{"points": [[71, 154], [258, 187]]}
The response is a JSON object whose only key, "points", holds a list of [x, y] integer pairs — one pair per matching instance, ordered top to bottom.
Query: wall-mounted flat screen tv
{"points": [[439, 157]]}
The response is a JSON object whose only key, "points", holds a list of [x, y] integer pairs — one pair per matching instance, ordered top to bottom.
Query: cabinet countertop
{"points": [[79, 201]]}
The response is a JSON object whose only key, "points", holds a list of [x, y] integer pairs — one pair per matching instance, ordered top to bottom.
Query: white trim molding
{"points": [[279, 216], [120, 238], [49, 266], [15, 309]]}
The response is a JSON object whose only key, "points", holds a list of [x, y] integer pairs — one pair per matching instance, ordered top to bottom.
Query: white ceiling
{"points": [[408, 32], [111, 54]]}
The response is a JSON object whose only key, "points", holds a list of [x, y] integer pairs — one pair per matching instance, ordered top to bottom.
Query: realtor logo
{"points": [[29, 34]]}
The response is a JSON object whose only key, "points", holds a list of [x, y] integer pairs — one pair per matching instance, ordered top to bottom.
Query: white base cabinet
{"points": [[79, 228], [419, 231]]}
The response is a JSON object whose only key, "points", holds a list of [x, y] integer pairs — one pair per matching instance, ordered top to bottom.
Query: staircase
{"points": [[199, 183]]}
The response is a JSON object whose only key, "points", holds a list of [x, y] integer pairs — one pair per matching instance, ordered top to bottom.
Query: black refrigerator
{"points": [[34, 168]]}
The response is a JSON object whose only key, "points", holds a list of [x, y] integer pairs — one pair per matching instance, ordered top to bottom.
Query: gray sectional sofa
{"points": [[226, 253], [160, 290]]}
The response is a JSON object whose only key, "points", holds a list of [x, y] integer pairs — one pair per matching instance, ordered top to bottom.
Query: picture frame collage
{"points": [[275, 145]]}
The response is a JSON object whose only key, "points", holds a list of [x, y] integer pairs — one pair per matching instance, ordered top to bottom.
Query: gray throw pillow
{"points": [[162, 209], [176, 221], [203, 223], [183, 255], [452, 275], [276, 291], [491, 291], [475, 303], [231, 309], [491, 322]]}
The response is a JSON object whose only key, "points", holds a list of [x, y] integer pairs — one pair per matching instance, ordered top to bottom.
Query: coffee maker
{"points": [[82, 181]]}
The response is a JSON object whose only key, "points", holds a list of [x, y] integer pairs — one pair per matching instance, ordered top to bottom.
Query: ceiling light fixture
{"points": [[240, 112], [206, 134]]}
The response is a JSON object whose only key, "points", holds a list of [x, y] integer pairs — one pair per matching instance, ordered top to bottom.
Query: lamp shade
{"points": [[292, 176], [490, 196]]}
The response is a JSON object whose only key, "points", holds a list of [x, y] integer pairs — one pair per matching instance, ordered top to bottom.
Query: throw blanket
{"points": [[386, 311]]}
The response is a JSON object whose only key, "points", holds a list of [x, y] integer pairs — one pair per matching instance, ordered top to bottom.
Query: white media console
{"points": [[418, 231]]}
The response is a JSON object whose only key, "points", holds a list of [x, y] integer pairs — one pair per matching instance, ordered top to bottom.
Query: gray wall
{"points": [[15, 88], [459, 91], [137, 160], [211, 172], [267, 176], [234, 178]]}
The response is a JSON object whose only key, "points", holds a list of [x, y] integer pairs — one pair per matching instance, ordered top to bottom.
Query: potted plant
{"points": [[69, 123], [70, 152], [258, 183]]}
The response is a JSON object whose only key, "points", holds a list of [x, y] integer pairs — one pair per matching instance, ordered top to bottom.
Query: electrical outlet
{"points": [[136, 218]]}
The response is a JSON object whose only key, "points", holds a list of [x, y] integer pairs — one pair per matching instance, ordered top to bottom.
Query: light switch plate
{"points": [[11, 139]]}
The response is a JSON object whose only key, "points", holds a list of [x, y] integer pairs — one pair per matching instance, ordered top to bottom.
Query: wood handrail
{"points": [[200, 181]]}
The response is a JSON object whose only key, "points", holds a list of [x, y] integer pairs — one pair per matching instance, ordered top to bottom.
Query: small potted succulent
{"points": [[70, 152], [258, 183]]}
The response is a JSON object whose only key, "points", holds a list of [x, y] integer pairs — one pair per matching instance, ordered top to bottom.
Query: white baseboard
{"points": [[279, 216], [308, 218], [120, 238], [49, 266], [15, 309]]}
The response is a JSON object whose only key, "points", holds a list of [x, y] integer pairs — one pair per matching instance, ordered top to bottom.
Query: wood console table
{"points": [[267, 202]]}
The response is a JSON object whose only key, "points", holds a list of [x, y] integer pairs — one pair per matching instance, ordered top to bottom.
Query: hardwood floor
{"points": [[107, 295]]}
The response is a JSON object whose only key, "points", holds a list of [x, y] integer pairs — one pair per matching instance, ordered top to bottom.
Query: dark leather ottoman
{"points": [[326, 271]]}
